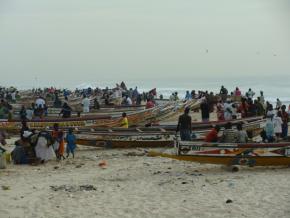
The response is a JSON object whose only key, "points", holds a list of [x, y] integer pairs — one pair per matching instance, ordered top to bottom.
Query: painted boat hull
{"points": [[125, 144], [275, 154], [228, 161]]}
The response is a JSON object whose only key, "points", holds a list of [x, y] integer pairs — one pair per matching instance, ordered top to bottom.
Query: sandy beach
{"points": [[135, 185]]}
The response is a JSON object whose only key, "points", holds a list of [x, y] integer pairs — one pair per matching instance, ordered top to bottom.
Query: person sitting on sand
{"points": [[124, 121], [184, 125], [242, 135], [212, 136], [71, 143], [43, 148], [27, 149], [20, 154]]}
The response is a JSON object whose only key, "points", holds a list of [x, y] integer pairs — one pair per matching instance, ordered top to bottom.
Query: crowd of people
{"points": [[79, 100], [234, 106], [35, 147]]}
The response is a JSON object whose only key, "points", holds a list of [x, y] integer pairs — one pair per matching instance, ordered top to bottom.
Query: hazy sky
{"points": [[68, 42]]}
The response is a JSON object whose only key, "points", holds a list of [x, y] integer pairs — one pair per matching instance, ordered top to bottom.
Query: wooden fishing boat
{"points": [[54, 112], [135, 119], [211, 124], [15, 125], [253, 125], [144, 136], [126, 138], [250, 154]]}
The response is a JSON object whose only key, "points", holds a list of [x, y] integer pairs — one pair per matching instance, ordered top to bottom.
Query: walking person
{"points": [[71, 143]]}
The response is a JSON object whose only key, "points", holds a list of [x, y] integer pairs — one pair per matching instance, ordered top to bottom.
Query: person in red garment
{"points": [[149, 104], [212, 136]]}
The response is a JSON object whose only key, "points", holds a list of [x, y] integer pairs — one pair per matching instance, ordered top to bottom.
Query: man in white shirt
{"points": [[250, 93], [13, 96], [117, 96], [128, 101], [39, 102], [86, 104], [228, 110], [29, 113]]}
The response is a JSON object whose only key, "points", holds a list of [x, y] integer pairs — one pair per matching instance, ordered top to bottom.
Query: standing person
{"points": [[223, 91], [237, 92], [250, 93], [135, 94], [13, 96], [117, 96], [188, 96], [172, 97], [176, 98], [262, 98], [139, 99], [127, 101], [39, 102], [86, 104], [96, 104], [149, 104], [278, 104], [204, 106], [260, 107], [243, 108], [220, 110], [228, 110], [65, 111], [270, 111], [30, 112], [22, 113], [285, 119], [277, 120], [124, 121], [184, 125], [24, 128], [269, 133], [229, 134], [212, 136], [242, 136], [57, 138], [71, 143], [61, 145]]}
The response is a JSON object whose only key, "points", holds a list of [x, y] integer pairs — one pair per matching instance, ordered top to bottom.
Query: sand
{"points": [[134, 185]]}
